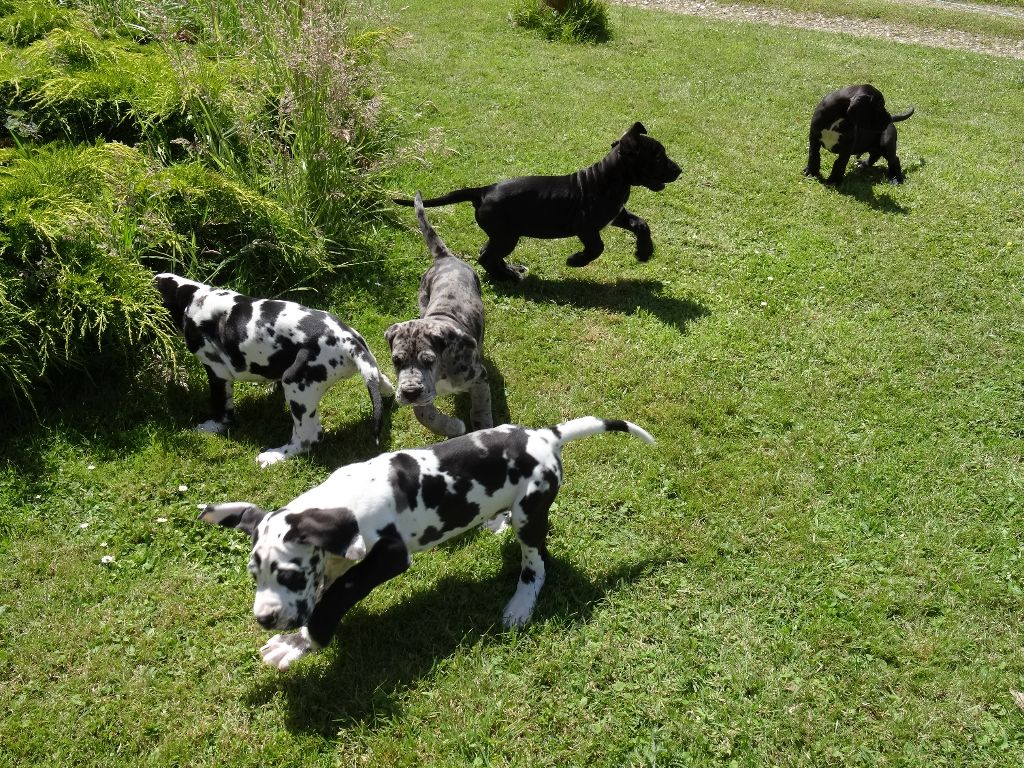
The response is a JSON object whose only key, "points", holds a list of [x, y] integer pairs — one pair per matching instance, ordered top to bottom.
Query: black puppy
{"points": [[850, 122], [579, 204]]}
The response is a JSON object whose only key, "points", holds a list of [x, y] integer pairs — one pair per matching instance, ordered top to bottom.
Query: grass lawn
{"points": [[821, 562]]}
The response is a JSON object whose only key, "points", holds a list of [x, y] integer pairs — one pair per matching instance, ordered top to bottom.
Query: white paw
{"points": [[387, 389], [213, 427], [272, 456], [500, 523], [518, 611], [281, 650]]}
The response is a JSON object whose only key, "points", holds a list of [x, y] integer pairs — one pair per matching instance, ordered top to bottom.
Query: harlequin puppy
{"points": [[850, 122], [579, 204], [238, 337], [439, 353], [320, 554]]}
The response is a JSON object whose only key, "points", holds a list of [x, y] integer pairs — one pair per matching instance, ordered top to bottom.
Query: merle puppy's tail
{"points": [[903, 115], [464, 195], [434, 242], [376, 382], [591, 425]]}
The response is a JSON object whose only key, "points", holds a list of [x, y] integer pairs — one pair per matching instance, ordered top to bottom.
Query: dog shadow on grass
{"points": [[862, 185], [624, 296], [376, 658]]}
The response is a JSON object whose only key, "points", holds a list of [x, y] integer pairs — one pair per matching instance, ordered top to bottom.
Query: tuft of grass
{"points": [[570, 21]]}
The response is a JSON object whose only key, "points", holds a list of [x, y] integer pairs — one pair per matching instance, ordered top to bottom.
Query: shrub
{"points": [[571, 21], [234, 142]]}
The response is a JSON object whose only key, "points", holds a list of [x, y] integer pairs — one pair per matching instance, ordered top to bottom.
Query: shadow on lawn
{"points": [[860, 184], [625, 296], [376, 658]]}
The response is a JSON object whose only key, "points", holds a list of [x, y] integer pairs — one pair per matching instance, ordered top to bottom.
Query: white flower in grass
{"points": [[764, 303], [90, 466], [182, 488], [161, 519], [83, 526], [107, 559]]}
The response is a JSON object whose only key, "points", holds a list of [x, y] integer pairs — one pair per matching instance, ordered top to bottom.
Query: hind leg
{"points": [[639, 227], [592, 248], [492, 258], [303, 400], [530, 522]]}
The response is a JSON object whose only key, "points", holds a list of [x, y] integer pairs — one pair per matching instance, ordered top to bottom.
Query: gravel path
{"points": [[902, 33]]}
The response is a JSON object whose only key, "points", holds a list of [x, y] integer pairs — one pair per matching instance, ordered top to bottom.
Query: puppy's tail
{"points": [[903, 115], [464, 195], [434, 242], [376, 382], [591, 425]]}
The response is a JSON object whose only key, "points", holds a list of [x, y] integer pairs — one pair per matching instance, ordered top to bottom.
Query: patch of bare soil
{"points": [[902, 33]]}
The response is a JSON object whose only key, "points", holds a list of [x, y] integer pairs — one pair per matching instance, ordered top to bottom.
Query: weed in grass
{"points": [[570, 21]]}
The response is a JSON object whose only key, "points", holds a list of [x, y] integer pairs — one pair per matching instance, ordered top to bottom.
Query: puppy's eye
{"points": [[428, 359], [397, 361], [294, 581]]}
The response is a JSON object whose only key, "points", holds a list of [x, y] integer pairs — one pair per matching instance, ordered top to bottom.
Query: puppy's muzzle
{"points": [[269, 620]]}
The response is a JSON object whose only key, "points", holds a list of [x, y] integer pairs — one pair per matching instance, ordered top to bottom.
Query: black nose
{"points": [[412, 391], [267, 620]]}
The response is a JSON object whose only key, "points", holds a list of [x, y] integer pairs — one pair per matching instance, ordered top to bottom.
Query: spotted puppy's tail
{"points": [[903, 115], [464, 195], [434, 242], [376, 382], [591, 425]]}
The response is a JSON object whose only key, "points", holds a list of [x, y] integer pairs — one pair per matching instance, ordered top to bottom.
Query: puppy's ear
{"points": [[637, 128], [389, 334], [458, 343], [234, 514], [334, 530]]}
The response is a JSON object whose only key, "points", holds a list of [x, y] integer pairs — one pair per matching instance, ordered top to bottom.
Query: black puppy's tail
{"points": [[903, 115], [464, 195], [434, 242], [586, 426]]}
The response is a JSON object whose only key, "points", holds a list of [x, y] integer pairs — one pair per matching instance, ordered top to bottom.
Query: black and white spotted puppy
{"points": [[236, 337], [440, 352], [318, 555]]}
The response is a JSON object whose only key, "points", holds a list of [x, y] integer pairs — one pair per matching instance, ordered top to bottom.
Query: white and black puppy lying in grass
{"points": [[236, 337], [318, 555]]}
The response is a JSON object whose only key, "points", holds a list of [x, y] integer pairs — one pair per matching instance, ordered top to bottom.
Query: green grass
{"points": [[819, 563]]}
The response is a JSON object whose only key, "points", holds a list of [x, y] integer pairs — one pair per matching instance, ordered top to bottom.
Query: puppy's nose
{"points": [[412, 391], [267, 620]]}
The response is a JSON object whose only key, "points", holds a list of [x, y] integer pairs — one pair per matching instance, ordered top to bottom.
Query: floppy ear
{"points": [[860, 105], [637, 127], [389, 334], [458, 343], [234, 514], [334, 530]]}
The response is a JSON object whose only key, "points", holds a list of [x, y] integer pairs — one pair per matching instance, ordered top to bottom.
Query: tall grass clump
{"points": [[570, 21], [237, 142]]}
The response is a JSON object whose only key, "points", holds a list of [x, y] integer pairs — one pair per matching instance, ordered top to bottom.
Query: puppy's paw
{"points": [[811, 173], [895, 182], [644, 251], [579, 259], [387, 389], [213, 427], [455, 428], [271, 456], [500, 523], [517, 612], [281, 650]]}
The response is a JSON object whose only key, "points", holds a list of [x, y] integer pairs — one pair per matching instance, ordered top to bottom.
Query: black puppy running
{"points": [[850, 122], [579, 204]]}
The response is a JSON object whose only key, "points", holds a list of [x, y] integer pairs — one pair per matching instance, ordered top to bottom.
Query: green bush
{"points": [[578, 21], [234, 142]]}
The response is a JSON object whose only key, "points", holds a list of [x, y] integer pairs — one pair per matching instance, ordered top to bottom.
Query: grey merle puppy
{"points": [[578, 204], [237, 337], [440, 353], [318, 555]]}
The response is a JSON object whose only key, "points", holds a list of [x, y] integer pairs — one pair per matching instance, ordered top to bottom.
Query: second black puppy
{"points": [[850, 122], [579, 204], [440, 352]]}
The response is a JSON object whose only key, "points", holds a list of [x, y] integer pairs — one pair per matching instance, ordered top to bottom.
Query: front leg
{"points": [[813, 167], [838, 170], [639, 227], [592, 248], [480, 401], [222, 405], [437, 422], [388, 558]]}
